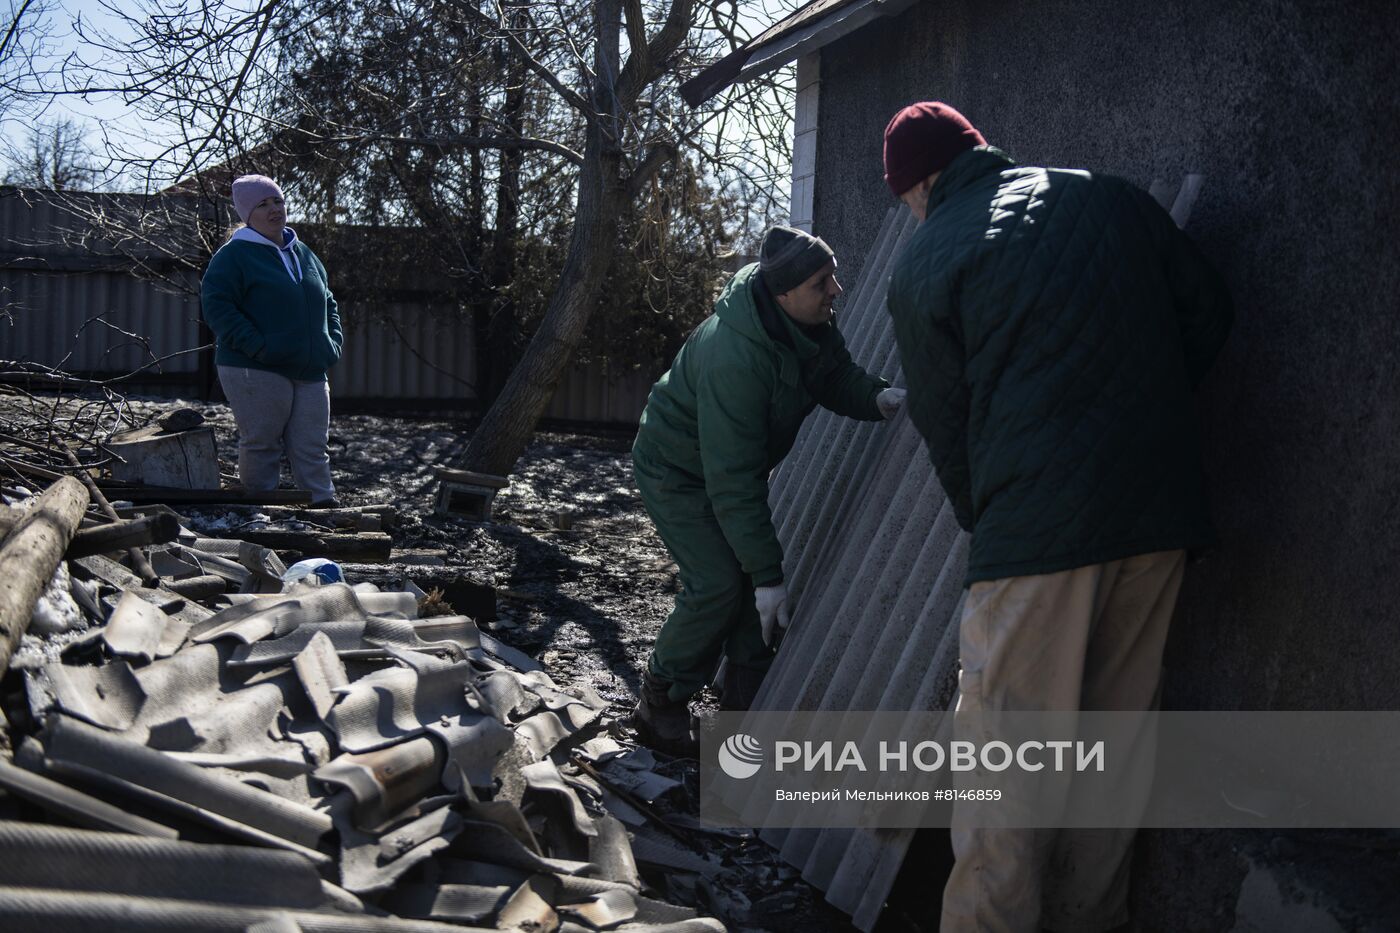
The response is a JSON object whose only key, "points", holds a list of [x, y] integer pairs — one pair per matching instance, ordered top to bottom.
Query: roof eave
{"points": [[754, 61]]}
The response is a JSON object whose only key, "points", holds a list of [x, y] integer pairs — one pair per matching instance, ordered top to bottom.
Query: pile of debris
{"points": [[194, 743]]}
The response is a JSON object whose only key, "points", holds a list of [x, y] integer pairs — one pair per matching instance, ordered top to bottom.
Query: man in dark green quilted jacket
{"points": [[1052, 326], [714, 426]]}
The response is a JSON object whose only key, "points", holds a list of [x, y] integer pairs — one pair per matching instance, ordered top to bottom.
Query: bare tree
{"points": [[24, 35], [574, 102], [56, 156]]}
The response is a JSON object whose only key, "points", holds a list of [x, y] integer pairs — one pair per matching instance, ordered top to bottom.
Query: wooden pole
{"points": [[9, 518], [121, 535], [30, 555], [201, 587]]}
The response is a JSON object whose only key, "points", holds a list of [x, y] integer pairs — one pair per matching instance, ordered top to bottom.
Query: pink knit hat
{"points": [[922, 139], [248, 192]]}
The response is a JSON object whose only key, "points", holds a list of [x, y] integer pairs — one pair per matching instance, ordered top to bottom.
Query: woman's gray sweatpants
{"points": [[274, 414]]}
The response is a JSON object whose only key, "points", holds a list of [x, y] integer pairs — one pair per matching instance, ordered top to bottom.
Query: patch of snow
{"points": [[57, 611]]}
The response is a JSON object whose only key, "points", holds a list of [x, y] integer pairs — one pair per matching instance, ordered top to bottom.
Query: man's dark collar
{"points": [[964, 171]]}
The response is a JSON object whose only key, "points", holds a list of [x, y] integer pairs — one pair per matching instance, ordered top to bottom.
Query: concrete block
{"points": [[467, 494]]}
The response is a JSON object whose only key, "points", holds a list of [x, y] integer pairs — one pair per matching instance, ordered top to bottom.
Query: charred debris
{"points": [[197, 739]]}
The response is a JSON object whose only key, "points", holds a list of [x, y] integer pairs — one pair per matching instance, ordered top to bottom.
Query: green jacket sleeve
{"points": [[219, 296], [931, 350], [839, 385], [732, 421]]}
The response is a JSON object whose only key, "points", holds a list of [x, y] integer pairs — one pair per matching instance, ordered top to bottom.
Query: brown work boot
{"points": [[661, 722]]}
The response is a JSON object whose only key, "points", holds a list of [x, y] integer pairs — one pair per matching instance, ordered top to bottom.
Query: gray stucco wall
{"points": [[1292, 112]]}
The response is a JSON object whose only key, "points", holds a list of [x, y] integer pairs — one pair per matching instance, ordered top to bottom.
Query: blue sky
{"points": [[96, 115]]}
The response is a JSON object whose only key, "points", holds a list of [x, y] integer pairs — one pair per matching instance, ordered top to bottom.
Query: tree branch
{"points": [[266, 14], [13, 31], [638, 58], [645, 66], [572, 97], [507, 143], [658, 155]]}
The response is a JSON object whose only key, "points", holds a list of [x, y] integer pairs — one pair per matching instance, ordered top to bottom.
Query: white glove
{"points": [[890, 401], [771, 602]]}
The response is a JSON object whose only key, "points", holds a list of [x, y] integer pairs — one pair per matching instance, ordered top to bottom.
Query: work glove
{"points": [[890, 401], [771, 602]]}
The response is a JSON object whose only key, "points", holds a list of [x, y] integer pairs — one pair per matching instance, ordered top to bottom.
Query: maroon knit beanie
{"points": [[922, 139]]}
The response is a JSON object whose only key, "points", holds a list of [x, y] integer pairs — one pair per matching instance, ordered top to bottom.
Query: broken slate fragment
{"points": [[135, 629], [173, 638], [321, 673], [427, 694], [109, 696], [541, 733], [543, 778], [386, 782], [647, 785], [491, 842], [611, 851], [372, 863], [459, 903], [528, 909], [603, 911]]}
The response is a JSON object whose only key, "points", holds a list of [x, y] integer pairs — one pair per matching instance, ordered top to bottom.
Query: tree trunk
{"points": [[602, 197], [499, 336], [509, 424]]}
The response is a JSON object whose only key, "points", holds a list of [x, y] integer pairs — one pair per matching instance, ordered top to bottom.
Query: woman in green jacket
{"points": [[277, 330]]}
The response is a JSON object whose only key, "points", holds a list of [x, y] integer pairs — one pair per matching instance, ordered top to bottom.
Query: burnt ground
{"points": [[586, 600]]}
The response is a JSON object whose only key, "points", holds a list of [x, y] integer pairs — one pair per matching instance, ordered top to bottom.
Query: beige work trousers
{"points": [[1084, 639]]}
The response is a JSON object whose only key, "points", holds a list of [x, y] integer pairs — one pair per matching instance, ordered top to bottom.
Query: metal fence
{"points": [[71, 300]]}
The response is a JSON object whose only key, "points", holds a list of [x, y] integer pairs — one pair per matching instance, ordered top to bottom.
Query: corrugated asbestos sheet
{"points": [[36, 224], [875, 564], [310, 760]]}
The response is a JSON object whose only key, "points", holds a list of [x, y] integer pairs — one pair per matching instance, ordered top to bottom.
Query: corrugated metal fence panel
{"points": [[58, 226], [54, 320], [410, 350], [407, 351], [590, 394], [875, 564]]}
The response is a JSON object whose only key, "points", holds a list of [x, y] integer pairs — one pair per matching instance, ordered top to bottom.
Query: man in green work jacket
{"points": [[1052, 325], [727, 411]]}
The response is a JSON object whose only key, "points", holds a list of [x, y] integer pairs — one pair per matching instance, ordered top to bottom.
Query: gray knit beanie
{"points": [[790, 257]]}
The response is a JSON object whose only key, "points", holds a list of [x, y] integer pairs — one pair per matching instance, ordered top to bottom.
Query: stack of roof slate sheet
{"points": [[315, 759]]}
